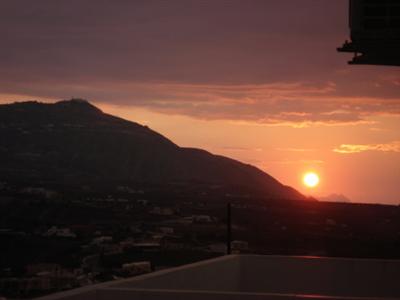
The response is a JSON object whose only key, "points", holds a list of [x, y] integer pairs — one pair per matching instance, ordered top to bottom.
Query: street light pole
{"points": [[228, 229]]}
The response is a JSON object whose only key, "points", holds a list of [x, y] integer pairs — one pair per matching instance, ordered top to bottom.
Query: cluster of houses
{"points": [[169, 229]]}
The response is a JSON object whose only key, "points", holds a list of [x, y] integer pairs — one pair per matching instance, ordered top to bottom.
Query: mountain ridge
{"points": [[74, 140]]}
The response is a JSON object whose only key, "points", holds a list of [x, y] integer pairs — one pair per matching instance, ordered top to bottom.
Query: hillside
{"points": [[73, 141]]}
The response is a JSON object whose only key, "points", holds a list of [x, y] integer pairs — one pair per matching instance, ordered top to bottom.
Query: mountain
{"points": [[73, 141], [335, 198]]}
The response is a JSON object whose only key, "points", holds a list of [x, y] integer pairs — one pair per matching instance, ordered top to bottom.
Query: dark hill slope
{"points": [[73, 141]]}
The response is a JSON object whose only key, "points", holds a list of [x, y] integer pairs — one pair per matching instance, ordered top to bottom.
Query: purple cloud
{"points": [[267, 61]]}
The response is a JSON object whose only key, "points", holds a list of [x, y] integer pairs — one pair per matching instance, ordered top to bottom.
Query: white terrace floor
{"points": [[255, 277]]}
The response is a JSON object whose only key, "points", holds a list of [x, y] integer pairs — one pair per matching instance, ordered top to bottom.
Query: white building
{"points": [[60, 232], [136, 268]]}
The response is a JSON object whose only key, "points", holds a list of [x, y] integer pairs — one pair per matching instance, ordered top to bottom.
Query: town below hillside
{"points": [[58, 237]]}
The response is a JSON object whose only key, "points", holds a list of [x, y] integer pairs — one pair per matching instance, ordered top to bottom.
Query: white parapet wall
{"points": [[255, 277]]}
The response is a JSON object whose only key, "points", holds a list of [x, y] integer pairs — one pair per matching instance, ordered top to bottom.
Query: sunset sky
{"points": [[256, 80]]}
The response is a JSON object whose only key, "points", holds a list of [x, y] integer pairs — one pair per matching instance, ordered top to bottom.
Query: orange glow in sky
{"points": [[285, 152]]}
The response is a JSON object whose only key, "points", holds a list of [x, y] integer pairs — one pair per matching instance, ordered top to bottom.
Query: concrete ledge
{"points": [[256, 277]]}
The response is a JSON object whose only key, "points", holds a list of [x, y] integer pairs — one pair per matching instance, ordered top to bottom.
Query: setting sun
{"points": [[311, 179]]}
